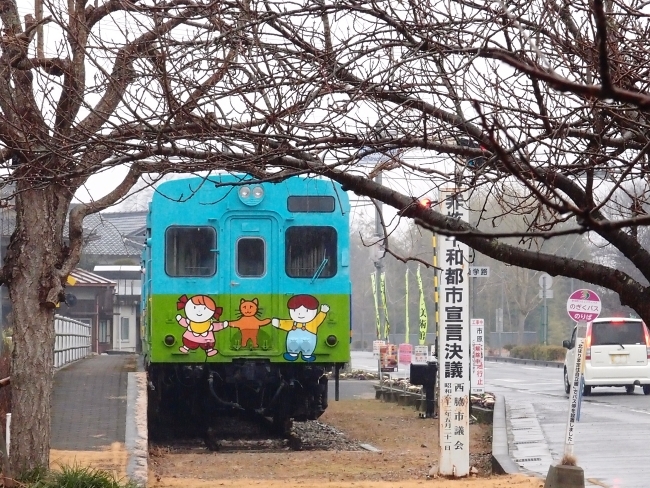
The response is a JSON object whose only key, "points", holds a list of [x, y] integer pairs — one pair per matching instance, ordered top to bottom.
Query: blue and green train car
{"points": [[246, 298]]}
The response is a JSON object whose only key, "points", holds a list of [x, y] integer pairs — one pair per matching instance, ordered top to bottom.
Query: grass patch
{"points": [[73, 477]]}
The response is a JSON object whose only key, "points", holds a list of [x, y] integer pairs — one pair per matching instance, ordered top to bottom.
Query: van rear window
{"points": [[603, 333]]}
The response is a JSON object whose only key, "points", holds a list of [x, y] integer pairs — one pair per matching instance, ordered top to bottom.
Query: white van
{"points": [[617, 352]]}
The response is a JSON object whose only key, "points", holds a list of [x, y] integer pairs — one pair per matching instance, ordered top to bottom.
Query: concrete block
{"points": [[402, 399], [137, 434], [560, 476]]}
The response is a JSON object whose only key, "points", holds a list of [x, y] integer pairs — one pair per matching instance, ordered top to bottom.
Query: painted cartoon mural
{"points": [[200, 321], [249, 323], [302, 327]]}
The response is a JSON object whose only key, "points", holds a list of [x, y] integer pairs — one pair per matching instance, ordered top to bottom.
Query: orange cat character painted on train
{"points": [[249, 323]]}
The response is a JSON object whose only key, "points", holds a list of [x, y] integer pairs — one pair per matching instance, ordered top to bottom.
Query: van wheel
{"points": [[567, 386], [629, 389], [646, 389], [586, 390]]}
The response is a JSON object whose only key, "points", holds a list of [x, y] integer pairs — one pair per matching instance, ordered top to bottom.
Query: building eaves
{"points": [[86, 278]]}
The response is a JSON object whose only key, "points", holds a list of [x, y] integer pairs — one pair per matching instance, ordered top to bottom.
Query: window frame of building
{"points": [[125, 326]]}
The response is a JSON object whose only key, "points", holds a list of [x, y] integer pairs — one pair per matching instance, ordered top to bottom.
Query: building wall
{"points": [[94, 306], [126, 324], [125, 327]]}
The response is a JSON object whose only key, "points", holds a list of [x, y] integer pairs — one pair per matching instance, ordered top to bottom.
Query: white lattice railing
{"points": [[73, 340]]}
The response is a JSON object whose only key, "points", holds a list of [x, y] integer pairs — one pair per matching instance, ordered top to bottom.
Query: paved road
{"points": [[89, 403], [612, 438]]}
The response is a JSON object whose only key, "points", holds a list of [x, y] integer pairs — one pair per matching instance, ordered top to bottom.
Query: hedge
{"points": [[539, 352]]}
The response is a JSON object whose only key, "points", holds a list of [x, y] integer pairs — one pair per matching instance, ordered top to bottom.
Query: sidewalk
{"points": [[89, 403]]}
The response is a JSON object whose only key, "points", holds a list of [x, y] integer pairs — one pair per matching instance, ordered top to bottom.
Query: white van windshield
{"points": [[603, 333]]}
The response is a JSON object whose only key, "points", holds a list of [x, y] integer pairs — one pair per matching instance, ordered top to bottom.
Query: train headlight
{"points": [[251, 196], [170, 340], [331, 340]]}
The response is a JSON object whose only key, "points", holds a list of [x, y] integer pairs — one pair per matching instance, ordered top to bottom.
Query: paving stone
{"points": [[89, 403]]}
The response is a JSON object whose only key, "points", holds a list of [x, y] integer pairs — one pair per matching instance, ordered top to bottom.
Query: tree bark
{"points": [[34, 255], [521, 326]]}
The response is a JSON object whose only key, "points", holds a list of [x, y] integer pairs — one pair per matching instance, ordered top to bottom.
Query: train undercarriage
{"points": [[190, 400]]}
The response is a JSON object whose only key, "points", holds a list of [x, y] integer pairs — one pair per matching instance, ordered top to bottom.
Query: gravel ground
{"points": [[312, 435], [318, 436]]}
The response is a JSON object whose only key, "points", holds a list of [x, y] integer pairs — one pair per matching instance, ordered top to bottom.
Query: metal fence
{"points": [[73, 340], [497, 340]]}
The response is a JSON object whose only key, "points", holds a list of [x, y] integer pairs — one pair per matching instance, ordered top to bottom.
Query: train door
{"points": [[253, 283]]}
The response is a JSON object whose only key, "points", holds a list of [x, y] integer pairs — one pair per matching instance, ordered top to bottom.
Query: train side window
{"points": [[190, 251], [310, 252], [251, 259]]}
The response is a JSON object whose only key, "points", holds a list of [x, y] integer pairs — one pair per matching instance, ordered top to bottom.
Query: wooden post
{"points": [[39, 30]]}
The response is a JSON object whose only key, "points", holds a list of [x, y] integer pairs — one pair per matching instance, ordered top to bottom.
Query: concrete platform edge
{"points": [[136, 435], [502, 463]]}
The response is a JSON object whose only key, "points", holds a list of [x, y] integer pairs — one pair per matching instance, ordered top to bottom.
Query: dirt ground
{"points": [[407, 445], [112, 459]]}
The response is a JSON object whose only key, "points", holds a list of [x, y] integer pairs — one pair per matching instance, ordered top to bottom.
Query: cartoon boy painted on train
{"points": [[201, 322], [302, 326]]}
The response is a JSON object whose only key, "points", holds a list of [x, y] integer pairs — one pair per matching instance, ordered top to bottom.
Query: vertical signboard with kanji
{"points": [[405, 353], [454, 354], [478, 355], [388, 358]]}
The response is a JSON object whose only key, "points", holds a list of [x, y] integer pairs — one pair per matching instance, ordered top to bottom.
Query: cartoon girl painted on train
{"points": [[201, 321]]}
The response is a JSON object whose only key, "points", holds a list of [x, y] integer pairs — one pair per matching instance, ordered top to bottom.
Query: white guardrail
{"points": [[73, 340]]}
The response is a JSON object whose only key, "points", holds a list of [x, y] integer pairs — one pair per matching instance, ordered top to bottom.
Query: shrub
{"points": [[509, 347], [538, 352], [73, 477]]}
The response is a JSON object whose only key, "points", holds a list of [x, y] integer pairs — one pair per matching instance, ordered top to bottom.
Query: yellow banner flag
{"points": [[382, 287], [374, 294], [424, 323]]}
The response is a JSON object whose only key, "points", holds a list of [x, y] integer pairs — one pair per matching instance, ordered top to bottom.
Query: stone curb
{"points": [[532, 362], [136, 435], [502, 463]]}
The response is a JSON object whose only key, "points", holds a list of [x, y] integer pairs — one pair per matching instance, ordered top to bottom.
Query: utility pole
{"points": [[379, 259], [545, 283]]}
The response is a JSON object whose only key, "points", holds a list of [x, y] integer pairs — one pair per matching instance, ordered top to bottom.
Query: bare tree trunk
{"points": [[34, 255], [521, 322]]}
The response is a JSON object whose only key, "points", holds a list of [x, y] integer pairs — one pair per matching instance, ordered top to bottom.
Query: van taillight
{"points": [[647, 341], [588, 344]]}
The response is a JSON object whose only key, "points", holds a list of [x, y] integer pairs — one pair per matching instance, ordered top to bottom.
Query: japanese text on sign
{"points": [[583, 305], [420, 354], [478, 355], [454, 356]]}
